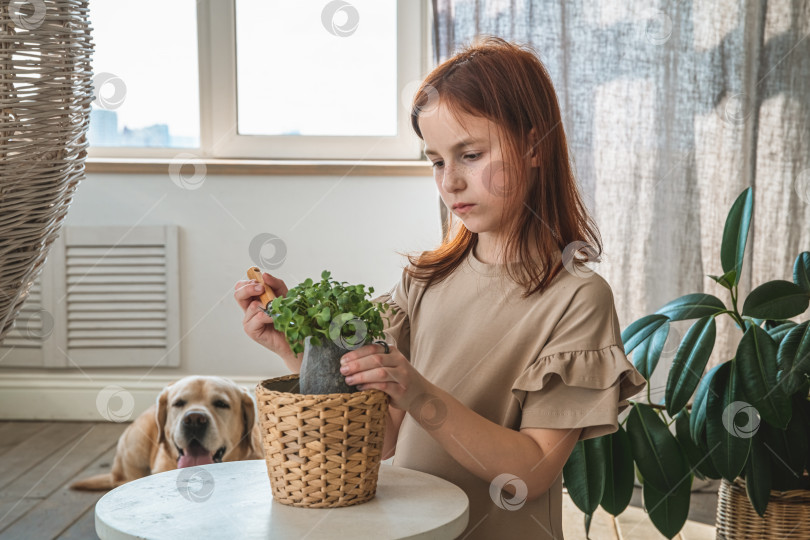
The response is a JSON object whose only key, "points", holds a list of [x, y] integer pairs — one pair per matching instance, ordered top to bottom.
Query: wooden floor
{"points": [[39, 459], [37, 462], [634, 524]]}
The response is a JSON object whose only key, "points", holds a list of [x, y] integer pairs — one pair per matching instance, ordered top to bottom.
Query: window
{"points": [[338, 78], [321, 79], [145, 83]]}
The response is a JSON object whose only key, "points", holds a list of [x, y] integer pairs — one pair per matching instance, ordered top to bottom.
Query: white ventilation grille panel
{"points": [[110, 298]]}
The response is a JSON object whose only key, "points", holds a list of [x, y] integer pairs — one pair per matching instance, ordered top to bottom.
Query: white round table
{"points": [[234, 500]]}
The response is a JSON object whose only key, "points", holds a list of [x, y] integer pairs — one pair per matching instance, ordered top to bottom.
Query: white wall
{"points": [[351, 226]]}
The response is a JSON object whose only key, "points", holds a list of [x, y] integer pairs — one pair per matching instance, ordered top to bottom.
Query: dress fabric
{"points": [[553, 360]]}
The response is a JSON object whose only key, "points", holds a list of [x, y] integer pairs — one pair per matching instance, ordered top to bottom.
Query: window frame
{"points": [[216, 46]]}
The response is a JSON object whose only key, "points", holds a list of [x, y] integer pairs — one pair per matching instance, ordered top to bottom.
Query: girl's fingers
{"points": [[241, 283], [278, 286], [246, 288], [246, 292], [255, 314], [366, 350], [367, 361], [368, 369], [375, 375]]}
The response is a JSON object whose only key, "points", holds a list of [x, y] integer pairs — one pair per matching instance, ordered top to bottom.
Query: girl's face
{"points": [[468, 168]]}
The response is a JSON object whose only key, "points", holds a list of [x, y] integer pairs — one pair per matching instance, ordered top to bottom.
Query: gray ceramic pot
{"points": [[320, 369]]}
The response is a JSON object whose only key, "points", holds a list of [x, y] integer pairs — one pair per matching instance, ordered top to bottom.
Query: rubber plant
{"points": [[324, 320], [764, 386]]}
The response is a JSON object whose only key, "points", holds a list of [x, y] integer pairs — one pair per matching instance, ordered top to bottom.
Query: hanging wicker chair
{"points": [[45, 96]]}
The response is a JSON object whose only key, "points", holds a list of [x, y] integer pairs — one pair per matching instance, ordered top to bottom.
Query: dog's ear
{"points": [[162, 411], [160, 414], [250, 441]]}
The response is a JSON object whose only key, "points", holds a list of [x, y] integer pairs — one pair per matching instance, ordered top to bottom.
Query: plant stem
{"points": [[736, 314], [660, 407]]}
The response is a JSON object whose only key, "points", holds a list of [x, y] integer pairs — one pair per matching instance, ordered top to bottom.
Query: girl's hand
{"points": [[257, 323], [392, 373]]}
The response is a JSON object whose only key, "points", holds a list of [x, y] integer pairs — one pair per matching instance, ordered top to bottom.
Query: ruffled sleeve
{"points": [[397, 327], [581, 377], [586, 389]]}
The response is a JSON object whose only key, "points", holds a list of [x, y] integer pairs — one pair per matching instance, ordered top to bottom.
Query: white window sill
{"points": [[261, 167]]}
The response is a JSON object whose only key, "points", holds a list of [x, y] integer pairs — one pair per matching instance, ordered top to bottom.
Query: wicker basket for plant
{"points": [[45, 95], [321, 450], [787, 515]]}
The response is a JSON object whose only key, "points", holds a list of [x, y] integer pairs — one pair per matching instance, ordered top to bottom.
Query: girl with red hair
{"points": [[505, 349]]}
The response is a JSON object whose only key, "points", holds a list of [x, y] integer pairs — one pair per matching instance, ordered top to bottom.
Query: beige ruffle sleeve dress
{"points": [[554, 360]]}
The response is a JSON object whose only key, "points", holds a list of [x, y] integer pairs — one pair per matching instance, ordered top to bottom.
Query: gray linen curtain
{"points": [[671, 109]]}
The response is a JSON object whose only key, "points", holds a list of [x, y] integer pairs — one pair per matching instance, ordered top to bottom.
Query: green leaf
{"points": [[735, 233], [801, 271], [727, 280], [777, 299], [692, 306], [307, 308], [771, 324], [336, 326], [640, 330], [779, 332], [647, 354], [793, 358], [689, 362], [757, 370], [804, 411], [697, 418], [728, 444], [704, 447], [655, 449], [787, 449], [691, 451], [698, 460], [707, 466], [584, 473], [618, 473], [758, 474], [639, 476], [782, 477], [668, 510], [588, 519]]}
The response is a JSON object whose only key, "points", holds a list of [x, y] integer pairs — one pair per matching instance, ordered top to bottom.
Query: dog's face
{"points": [[205, 420]]}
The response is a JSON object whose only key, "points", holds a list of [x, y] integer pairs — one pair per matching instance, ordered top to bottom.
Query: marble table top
{"points": [[234, 500]]}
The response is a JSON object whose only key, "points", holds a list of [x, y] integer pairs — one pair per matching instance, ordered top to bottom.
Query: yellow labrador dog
{"points": [[196, 421]]}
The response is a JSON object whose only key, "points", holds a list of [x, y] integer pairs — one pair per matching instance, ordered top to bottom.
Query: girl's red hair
{"points": [[508, 84]]}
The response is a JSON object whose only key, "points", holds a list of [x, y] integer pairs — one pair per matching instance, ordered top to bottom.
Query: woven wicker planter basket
{"points": [[45, 95], [321, 450], [787, 515]]}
